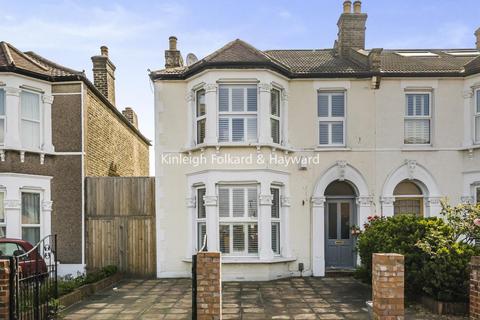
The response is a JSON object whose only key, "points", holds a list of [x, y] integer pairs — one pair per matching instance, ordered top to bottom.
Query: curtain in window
{"points": [[331, 115], [417, 121], [30, 123], [30, 208]]}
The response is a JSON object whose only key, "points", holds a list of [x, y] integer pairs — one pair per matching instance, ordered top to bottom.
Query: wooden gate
{"points": [[120, 224]]}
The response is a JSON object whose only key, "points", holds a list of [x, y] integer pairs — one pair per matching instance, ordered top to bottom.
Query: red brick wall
{"points": [[209, 286], [388, 286], [475, 288], [4, 289]]}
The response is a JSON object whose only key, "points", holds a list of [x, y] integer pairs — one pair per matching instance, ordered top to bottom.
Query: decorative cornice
{"points": [[210, 87], [264, 87], [11, 91], [468, 94], [284, 95], [190, 96], [47, 99], [341, 166], [411, 166], [266, 199], [467, 199], [210, 201], [285, 201], [365, 201], [388, 201], [191, 202], [318, 202], [12, 204], [47, 205]]}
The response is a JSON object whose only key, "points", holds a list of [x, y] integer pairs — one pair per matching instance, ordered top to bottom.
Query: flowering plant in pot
{"points": [[355, 230]]}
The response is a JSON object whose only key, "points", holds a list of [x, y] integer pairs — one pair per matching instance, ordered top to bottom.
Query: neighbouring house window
{"points": [[237, 113], [3, 114], [275, 115], [477, 116], [201, 118], [331, 118], [30, 119], [417, 119], [477, 195], [408, 199], [275, 216], [31, 217], [201, 218], [238, 220], [3, 228]]}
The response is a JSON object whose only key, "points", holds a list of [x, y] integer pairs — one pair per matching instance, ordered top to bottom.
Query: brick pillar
{"points": [[209, 286], [388, 286], [475, 288], [4, 289]]}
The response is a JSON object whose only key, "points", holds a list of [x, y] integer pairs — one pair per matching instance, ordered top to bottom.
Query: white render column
{"points": [[212, 115], [284, 118], [468, 118], [263, 120], [47, 124], [12, 135], [191, 136], [211, 204], [364, 205], [387, 206], [434, 206], [46, 218], [13, 219], [265, 221], [284, 226], [191, 229], [318, 236]]}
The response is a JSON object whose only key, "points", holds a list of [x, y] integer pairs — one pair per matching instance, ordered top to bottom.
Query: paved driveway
{"points": [[296, 298]]}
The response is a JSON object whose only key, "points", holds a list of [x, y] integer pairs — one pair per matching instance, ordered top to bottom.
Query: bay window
{"points": [[237, 113], [275, 115], [477, 116], [201, 118], [331, 118], [417, 118], [3, 119], [30, 120], [31, 217], [275, 217], [201, 218], [238, 220]]}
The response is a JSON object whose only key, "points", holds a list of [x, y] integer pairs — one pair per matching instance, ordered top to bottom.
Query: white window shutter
{"points": [[223, 98], [252, 99], [238, 103], [323, 105], [338, 105], [223, 129], [238, 129], [337, 132], [324, 133], [238, 200], [224, 202]]}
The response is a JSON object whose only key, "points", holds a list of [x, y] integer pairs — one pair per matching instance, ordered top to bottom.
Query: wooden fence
{"points": [[120, 224]]}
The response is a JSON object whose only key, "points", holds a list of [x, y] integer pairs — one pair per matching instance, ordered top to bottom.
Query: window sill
{"points": [[256, 145], [420, 147], [331, 148], [250, 260]]}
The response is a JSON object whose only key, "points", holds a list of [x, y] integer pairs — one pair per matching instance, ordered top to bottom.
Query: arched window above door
{"points": [[408, 198]]}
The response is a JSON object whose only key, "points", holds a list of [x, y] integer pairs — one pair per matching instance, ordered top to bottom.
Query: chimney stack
{"points": [[351, 28], [477, 34], [173, 58], [104, 74], [131, 116]]}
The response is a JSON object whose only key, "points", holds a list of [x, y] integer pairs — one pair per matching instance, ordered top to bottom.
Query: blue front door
{"points": [[339, 242]]}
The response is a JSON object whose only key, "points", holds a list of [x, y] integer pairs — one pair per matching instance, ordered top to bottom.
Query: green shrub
{"points": [[67, 285]]}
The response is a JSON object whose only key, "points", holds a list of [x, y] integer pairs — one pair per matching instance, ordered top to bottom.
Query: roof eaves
{"points": [[7, 53]]}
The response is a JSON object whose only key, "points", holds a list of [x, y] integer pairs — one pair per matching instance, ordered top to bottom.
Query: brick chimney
{"points": [[351, 28], [477, 34], [173, 58], [104, 74], [131, 116]]}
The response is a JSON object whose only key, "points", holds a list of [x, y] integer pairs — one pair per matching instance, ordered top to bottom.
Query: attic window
{"points": [[463, 53], [416, 54]]}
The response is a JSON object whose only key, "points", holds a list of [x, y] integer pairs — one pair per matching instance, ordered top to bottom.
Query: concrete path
{"points": [[296, 298]]}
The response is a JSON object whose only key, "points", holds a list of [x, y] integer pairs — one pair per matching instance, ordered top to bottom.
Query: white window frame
{"points": [[230, 114], [4, 116], [476, 116], [276, 117], [429, 117], [199, 118], [331, 119], [39, 121], [476, 192], [40, 211], [199, 220], [245, 220], [277, 220], [3, 224]]}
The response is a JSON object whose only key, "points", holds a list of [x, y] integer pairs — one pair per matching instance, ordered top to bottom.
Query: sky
{"points": [[70, 32]]}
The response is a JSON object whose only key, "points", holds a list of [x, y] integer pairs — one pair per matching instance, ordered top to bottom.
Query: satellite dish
{"points": [[191, 59]]}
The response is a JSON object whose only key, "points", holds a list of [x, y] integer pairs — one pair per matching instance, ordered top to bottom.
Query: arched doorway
{"points": [[340, 216]]}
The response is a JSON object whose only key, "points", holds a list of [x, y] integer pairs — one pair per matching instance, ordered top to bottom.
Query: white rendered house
{"points": [[275, 155]]}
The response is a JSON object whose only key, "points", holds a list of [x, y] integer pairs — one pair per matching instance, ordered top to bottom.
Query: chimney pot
{"points": [[347, 6], [357, 6], [477, 34], [172, 43], [104, 51]]}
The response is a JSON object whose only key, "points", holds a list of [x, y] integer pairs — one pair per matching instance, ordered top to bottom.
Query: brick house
{"points": [[56, 128], [366, 130]]}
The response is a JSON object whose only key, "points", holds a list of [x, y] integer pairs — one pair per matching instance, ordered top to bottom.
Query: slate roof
{"points": [[326, 63], [33, 65]]}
